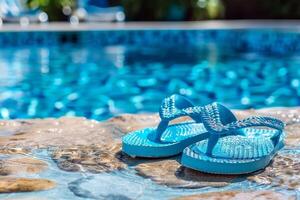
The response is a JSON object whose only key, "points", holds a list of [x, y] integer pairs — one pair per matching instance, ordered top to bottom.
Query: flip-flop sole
{"points": [[201, 162]]}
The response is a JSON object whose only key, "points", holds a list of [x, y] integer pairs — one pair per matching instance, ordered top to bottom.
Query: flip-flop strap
{"points": [[177, 106], [172, 108], [213, 119], [255, 121]]}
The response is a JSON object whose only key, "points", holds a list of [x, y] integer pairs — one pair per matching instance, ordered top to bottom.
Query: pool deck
{"points": [[200, 25], [79, 158]]}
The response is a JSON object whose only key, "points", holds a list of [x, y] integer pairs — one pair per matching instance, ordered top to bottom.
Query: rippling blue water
{"points": [[99, 82]]}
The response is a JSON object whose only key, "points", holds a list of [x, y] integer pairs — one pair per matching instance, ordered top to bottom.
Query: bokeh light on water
{"points": [[100, 82]]}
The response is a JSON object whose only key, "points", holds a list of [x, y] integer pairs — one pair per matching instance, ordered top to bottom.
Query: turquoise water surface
{"points": [[100, 82]]}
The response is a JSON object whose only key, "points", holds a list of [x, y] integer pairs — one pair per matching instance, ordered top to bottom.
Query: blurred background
{"points": [[154, 10], [186, 10]]}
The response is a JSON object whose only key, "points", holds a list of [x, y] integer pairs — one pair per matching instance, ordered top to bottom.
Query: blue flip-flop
{"points": [[166, 140], [234, 147]]}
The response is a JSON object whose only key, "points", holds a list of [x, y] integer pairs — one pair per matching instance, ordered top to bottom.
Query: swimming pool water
{"points": [[99, 82]]}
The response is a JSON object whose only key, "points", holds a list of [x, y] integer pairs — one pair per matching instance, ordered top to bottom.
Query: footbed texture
{"points": [[173, 134], [238, 147]]}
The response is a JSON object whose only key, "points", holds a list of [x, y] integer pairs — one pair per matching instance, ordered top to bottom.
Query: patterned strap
{"points": [[177, 106], [171, 108], [213, 114], [214, 119], [255, 121], [269, 122]]}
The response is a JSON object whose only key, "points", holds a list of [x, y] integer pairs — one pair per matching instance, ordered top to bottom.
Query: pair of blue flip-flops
{"points": [[214, 142]]}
